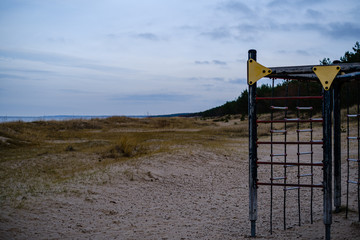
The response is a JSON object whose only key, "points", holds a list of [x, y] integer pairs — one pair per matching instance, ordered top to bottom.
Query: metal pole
{"points": [[337, 146], [252, 151], [327, 153], [358, 153]]}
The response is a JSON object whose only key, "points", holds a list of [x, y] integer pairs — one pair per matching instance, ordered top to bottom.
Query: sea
{"points": [[85, 117], [56, 118]]}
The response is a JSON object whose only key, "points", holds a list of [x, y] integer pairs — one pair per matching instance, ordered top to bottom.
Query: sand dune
{"points": [[193, 192]]}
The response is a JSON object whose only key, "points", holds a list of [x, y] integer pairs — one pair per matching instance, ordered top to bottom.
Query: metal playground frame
{"points": [[296, 150]]}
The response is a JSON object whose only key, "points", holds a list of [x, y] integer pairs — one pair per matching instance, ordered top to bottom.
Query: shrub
{"points": [[125, 147]]}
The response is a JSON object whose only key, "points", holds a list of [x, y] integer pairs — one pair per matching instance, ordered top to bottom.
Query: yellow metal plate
{"points": [[256, 71], [326, 75]]}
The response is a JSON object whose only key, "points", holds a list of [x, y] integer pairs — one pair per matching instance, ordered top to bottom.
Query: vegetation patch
{"points": [[36, 156]]}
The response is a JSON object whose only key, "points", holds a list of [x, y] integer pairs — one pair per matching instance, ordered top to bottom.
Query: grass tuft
{"points": [[125, 147]]}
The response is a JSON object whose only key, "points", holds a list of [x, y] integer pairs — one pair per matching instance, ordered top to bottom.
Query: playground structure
{"points": [[296, 151]]}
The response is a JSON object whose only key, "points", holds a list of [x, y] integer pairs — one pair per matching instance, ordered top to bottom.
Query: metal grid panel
{"points": [[303, 169]]}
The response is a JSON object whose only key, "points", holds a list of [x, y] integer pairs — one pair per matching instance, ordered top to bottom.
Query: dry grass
{"points": [[35, 156]]}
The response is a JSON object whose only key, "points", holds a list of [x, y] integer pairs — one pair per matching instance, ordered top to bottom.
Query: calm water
{"points": [[56, 118]]}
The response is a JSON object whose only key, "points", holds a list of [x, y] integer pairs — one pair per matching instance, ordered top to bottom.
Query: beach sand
{"points": [[190, 193]]}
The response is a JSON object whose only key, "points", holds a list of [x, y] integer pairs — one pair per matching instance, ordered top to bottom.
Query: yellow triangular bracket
{"points": [[256, 71], [326, 75]]}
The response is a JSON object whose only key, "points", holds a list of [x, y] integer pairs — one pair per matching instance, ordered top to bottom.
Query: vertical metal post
{"points": [[337, 146], [347, 149], [252, 151], [327, 153], [358, 153], [271, 157]]}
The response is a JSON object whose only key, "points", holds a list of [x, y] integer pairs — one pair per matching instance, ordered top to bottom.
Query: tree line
{"points": [[349, 94]]}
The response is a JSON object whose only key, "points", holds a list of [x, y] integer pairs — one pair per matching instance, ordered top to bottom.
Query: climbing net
{"points": [[290, 140], [352, 148], [287, 155]]}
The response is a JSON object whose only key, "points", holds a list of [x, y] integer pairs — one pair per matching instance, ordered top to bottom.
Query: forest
{"points": [[240, 105]]}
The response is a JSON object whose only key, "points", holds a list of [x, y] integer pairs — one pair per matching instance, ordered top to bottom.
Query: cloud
{"points": [[277, 3], [292, 3], [10, 5], [236, 7], [355, 11], [313, 14], [249, 28], [335, 30], [344, 30], [218, 33], [147, 36], [59, 40], [159, 52], [303, 52], [38, 56], [58, 60], [202, 62], [218, 62], [10, 76], [207, 79], [218, 79], [238, 81], [75, 91], [155, 97]]}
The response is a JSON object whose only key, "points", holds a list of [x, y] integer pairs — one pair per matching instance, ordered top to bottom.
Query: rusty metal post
{"points": [[337, 145], [252, 151], [327, 172]]}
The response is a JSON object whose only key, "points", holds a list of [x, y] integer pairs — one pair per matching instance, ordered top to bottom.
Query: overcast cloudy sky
{"points": [[138, 57]]}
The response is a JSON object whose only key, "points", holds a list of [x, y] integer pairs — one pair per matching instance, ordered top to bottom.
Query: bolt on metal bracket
{"points": [[256, 71], [326, 75]]}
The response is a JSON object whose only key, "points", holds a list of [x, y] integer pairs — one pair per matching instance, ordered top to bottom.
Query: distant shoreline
{"points": [[72, 117], [53, 118]]}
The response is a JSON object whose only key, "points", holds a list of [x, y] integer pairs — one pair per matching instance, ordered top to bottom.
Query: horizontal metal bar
{"points": [[345, 67], [349, 71], [291, 76], [349, 76], [313, 77], [289, 98], [279, 108], [304, 108], [353, 115], [290, 120], [304, 130], [278, 131], [353, 138], [291, 143], [304, 153], [278, 155], [353, 160], [319, 164], [306, 175], [278, 178], [354, 182], [290, 184], [291, 188]]}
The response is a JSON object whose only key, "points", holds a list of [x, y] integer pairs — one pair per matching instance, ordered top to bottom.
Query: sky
{"points": [[149, 57]]}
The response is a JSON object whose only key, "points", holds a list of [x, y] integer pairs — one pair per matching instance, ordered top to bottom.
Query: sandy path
{"points": [[192, 194]]}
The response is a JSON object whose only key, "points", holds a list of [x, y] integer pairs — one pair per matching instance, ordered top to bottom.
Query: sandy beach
{"points": [[192, 191]]}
